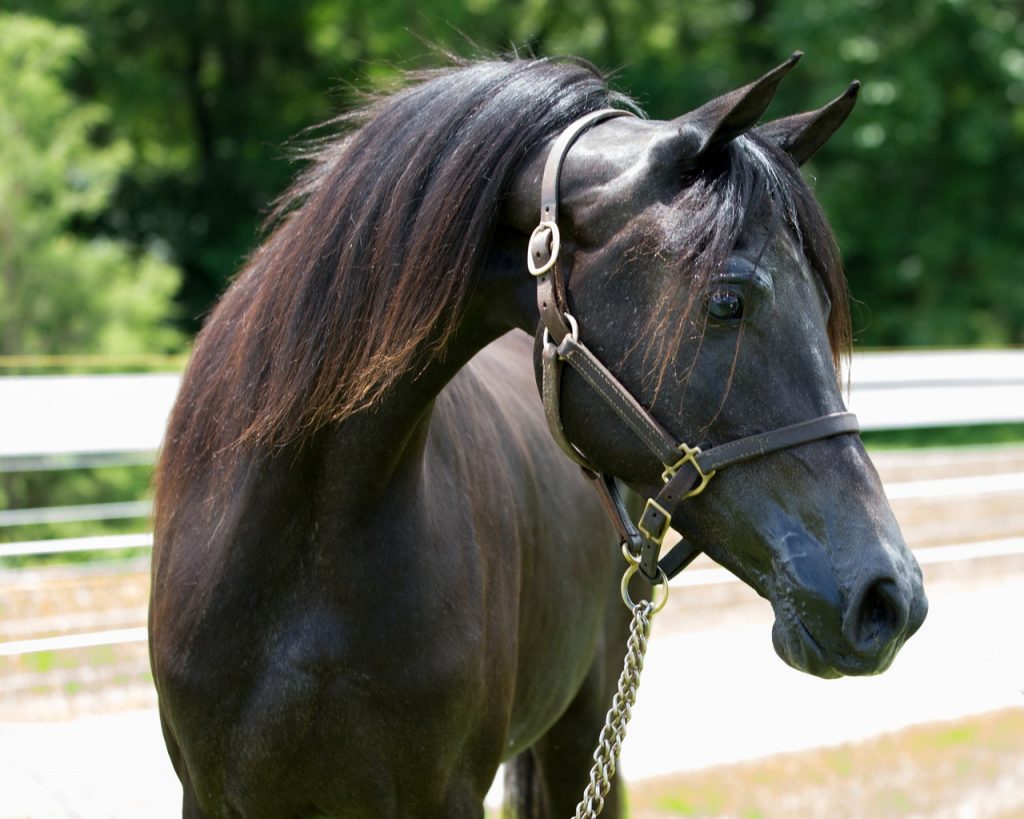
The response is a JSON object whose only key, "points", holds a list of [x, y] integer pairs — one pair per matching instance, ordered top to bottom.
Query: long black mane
{"points": [[377, 244], [373, 250], [372, 256]]}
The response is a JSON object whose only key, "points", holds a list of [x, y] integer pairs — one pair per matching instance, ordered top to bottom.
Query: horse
{"points": [[376, 576]]}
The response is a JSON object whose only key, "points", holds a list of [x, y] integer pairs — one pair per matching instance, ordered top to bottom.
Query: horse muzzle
{"points": [[829, 630]]}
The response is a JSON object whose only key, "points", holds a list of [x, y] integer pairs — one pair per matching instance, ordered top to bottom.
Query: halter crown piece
{"points": [[687, 469]]}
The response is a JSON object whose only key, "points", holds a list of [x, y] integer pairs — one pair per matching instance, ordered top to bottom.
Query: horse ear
{"points": [[724, 118], [802, 135]]}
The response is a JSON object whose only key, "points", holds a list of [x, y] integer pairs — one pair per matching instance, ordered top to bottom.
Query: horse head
{"points": [[698, 268]]}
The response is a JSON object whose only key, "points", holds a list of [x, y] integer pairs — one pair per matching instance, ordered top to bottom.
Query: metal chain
{"points": [[610, 742]]}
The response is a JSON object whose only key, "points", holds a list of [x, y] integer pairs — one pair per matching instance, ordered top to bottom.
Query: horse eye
{"points": [[724, 305]]}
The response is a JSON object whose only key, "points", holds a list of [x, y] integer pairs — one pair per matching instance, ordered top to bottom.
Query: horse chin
{"points": [[799, 649]]}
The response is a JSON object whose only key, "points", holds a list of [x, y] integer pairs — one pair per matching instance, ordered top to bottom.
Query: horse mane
{"points": [[371, 254]]}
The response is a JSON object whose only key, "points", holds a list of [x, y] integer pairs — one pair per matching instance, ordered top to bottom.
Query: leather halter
{"points": [[687, 469]]}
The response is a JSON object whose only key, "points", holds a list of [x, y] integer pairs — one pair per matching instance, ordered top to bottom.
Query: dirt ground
{"points": [[79, 736], [972, 768]]}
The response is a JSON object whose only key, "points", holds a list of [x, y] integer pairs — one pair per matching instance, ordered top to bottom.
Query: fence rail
{"points": [[49, 419], [62, 422], [75, 514], [68, 545], [694, 578]]}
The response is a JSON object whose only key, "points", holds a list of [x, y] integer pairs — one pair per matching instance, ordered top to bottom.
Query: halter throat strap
{"points": [[687, 469]]}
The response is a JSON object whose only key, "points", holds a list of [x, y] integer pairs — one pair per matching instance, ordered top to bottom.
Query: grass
{"points": [[86, 364], [980, 435], [108, 484], [40, 662], [968, 767]]}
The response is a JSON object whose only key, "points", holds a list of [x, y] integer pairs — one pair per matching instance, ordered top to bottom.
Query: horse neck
{"points": [[378, 443]]}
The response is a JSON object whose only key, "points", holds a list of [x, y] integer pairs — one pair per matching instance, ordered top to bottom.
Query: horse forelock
{"points": [[777, 186], [748, 187]]}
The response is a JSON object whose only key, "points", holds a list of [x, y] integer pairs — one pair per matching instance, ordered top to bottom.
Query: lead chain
{"points": [[610, 742]]}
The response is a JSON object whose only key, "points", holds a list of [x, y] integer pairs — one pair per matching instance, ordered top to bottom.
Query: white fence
{"points": [[902, 390], [55, 421], [58, 422]]}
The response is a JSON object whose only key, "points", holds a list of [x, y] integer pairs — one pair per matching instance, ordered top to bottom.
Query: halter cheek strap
{"points": [[546, 240], [687, 469]]}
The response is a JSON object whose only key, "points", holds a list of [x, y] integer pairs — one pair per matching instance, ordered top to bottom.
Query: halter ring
{"points": [[574, 331], [660, 596]]}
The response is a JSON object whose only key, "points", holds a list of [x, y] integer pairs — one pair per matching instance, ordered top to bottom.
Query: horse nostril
{"points": [[873, 623]]}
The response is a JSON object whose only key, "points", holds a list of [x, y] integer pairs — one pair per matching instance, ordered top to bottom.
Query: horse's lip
{"points": [[812, 655], [830, 664]]}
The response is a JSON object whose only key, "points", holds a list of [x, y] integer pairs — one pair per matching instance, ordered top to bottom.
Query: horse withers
{"points": [[375, 574]]}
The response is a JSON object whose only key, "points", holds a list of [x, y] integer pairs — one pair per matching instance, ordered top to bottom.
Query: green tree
{"points": [[206, 94], [922, 184], [63, 291]]}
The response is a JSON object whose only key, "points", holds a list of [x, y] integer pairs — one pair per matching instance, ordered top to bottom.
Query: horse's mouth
{"points": [[799, 648]]}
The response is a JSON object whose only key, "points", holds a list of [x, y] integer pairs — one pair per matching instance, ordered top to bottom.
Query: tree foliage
{"points": [[60, 165], [922, 185]]}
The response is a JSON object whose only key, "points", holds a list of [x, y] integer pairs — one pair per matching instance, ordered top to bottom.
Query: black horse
{"points": [[375, 576]]}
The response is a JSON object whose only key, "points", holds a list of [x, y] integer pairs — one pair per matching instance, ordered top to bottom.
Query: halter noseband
{"points": [[687, 469]]}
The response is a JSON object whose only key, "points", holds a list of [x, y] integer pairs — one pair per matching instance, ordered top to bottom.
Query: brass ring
{"points": [[659, 600]]}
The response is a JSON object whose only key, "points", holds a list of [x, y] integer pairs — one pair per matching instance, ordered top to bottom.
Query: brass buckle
{"points": [[690, 454], [659, 536]]}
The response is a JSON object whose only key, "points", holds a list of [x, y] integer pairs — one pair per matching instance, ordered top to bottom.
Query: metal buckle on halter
{"points": [[556, 245], [690, 454], [658, 535]]}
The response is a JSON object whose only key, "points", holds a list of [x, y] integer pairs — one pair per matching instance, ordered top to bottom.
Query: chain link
{"points": [[610, 742]]}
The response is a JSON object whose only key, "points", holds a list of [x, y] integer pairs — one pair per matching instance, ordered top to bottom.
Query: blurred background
{"points": [[141, 144]]}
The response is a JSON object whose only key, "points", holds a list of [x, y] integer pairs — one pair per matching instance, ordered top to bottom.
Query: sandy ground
{"points": [[713, 693], [719, 694], [972, 767]]}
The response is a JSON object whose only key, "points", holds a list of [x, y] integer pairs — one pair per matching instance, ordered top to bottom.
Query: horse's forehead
{"points": [[613, 147], [624, 173], [618, 191]]}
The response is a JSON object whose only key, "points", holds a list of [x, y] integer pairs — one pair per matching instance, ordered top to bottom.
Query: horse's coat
{"points": [[375, 577]]}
